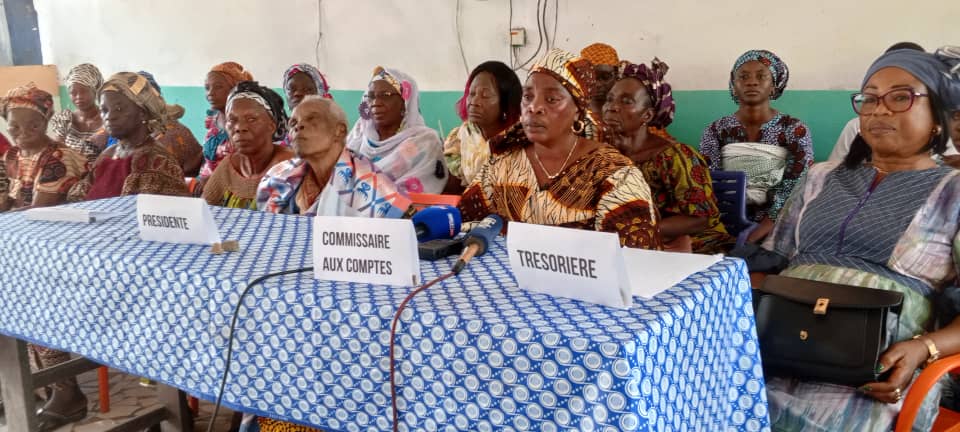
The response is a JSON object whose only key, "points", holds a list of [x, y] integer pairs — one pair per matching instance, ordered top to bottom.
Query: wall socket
{"points": [[518, 37]]}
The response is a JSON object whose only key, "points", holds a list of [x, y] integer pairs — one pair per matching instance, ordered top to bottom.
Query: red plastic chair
{"points": [[421, 200], [947, 420]]}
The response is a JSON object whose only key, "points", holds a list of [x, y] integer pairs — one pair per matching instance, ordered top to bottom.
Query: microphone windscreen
{"points": [[437, 222], [484, 233]]}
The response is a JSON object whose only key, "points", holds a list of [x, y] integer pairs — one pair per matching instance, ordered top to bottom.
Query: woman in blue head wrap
{"points": [[773, 148], [886, 217]]}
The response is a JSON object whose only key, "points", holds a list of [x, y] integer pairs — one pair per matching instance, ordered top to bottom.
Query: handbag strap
{"points": [[846, 296]]}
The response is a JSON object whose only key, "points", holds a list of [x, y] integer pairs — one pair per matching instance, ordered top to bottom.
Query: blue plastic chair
{"points": [[730, 187]]}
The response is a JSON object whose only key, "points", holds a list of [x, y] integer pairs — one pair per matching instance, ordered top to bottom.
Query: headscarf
{"points": [[600, 54], [778, 71], [234, 72], [940, 72], [86, 74], [577, 76], [152, 80], [136, 88], [323, 89], [659, 90], [29, 97], [268, 99], [174, 112], [413, 157]]}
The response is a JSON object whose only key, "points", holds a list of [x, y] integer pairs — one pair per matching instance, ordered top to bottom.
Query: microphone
{"points": [[436, 222], [478, 240]]}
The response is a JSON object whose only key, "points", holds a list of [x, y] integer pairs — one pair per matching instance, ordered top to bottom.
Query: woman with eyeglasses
{"points": [[392, 133], [773, 148], [886, 217]]}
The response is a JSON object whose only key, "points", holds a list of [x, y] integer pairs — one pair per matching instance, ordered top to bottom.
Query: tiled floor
{"points": [[128, 399]]}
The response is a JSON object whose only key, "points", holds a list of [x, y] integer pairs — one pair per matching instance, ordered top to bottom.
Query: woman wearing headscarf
{"points": [[302, 80], [220, 81], [490, 104], [133, 111], [257, 123], [75, 128], [392, 133], [175, 137], [773, 148], [545, 171], [40, 172], [677, 174], [886, 217]]}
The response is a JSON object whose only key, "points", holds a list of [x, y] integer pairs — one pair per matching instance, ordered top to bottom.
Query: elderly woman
{"points": [[605, 61], [221, 80], [302, 80], [490, 104], [133, 111], [256, 122], [75, 128], [392, 133], [175, 137], [773, 148], [40, 171], [544, 171], [677, 174], [326, 178], [884, 218]]}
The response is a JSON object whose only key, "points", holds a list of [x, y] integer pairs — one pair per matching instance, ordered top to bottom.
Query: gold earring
{"points": [[578, 126]]}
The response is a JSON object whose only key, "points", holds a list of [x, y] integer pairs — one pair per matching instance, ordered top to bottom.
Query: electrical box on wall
{"points": [[518, 37]]}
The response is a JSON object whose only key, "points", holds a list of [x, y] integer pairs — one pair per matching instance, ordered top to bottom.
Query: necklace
{"points": [[536, 156]]}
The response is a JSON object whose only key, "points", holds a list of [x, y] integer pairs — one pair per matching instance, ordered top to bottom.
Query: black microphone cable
{"points": [[233, 324]]}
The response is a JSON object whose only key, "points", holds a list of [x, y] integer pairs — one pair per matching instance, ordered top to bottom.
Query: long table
{"points": [[474, 353]]}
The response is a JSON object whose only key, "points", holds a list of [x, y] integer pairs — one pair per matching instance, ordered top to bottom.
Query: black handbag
{"points": [[824, 331]]}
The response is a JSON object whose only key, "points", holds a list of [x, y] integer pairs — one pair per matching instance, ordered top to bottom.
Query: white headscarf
{"points": [[414, 156]]}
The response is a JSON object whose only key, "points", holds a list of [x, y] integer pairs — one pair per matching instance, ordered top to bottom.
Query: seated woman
{"points": [[221, 80], [302, 80], [490, 104], [132, 112], [256, 122], [75, 128], [392, 134], [175, 137], [773, 148], [40, 171], [543, 171], [677, 174], [326, 178], [884, 218]]}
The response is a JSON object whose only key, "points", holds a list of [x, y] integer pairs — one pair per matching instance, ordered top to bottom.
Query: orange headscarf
{"points": [[600, 54], [234, 72]]}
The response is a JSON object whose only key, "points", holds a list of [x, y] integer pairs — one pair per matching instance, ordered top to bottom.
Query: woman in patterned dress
{"points": [[133, 111], [75, 128], [778, 147], [544, 171], [38, 172], [677, 174], [887, 217]]}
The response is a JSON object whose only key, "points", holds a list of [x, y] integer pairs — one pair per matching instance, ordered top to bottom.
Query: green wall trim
{"points": [[824, 111]]}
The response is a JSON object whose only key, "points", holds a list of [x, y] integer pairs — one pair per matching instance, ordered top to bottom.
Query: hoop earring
{"points": [[578, 126]]}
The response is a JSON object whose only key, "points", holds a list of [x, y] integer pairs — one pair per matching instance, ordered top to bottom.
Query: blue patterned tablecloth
{"points": [[474, 353]]}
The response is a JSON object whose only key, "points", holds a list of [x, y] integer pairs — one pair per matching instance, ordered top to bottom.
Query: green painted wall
{"points": [[825, 111]]}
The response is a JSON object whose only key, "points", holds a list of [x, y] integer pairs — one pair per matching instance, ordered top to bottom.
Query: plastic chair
{"points": [[730, 187], [421, 200], [947, 420]]}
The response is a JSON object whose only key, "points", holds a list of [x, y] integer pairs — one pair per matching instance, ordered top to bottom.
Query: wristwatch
{"points": [[932, 347]]}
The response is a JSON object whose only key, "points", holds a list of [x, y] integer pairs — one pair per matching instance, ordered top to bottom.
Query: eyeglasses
{"points": [[371, 96], [897, 101]]}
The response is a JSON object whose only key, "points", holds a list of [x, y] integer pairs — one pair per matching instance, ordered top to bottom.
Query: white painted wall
{"points": [[828, 44]]}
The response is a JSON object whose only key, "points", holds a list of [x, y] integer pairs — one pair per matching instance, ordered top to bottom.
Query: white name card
{"points": [[176, 220], [365, 250], [580, 264], [651, 272]]}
